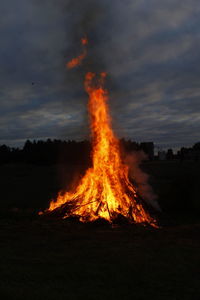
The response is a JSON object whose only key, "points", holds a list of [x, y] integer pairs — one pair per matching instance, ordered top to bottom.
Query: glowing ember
{"points": [[84, 41], [78, 60], [105, 191]]}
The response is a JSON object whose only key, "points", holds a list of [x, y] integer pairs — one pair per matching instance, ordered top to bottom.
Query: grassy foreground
{"points": [[61, 260]]}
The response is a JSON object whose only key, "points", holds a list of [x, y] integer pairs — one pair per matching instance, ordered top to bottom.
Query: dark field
{"points": [[46, 259]]}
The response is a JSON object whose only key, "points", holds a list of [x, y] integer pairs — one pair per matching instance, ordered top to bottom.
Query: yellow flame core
{"points": [[105, 190]]}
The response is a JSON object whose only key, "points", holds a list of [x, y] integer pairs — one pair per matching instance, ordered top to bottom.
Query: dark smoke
{"points": [[91, 18], [88, 19]]}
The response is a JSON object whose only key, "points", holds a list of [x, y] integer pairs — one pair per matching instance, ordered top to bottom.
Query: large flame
{"points": [[105, 190]]}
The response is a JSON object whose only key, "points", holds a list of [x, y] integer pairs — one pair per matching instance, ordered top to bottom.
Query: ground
{"points": [[60, 259]]}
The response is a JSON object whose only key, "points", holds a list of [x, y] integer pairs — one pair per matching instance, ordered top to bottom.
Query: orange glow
{"points": [[84, 41], [76, 61], [105, 190]]}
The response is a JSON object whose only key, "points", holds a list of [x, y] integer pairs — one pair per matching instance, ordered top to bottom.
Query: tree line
{"points": [[55, 151], [79, 152]]}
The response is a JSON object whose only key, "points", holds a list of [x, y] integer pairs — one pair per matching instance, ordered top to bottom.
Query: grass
{"points": [[43, 259], [58, 260]]}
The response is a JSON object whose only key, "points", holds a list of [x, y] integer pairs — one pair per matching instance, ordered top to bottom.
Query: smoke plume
{"points": [[141, 179]]}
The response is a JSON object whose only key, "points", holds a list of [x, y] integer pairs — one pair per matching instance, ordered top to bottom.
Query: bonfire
{"points": [[105, 191]]}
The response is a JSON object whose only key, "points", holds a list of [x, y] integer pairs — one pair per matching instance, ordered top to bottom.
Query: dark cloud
{"points": [[150, 50]]}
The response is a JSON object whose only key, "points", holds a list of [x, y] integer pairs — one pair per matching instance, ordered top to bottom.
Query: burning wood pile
{"points": [[105, 191]]}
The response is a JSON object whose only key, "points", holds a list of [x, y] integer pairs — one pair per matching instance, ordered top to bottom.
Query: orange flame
{"points": [[84, 41], [78, 60], [105, 191]]}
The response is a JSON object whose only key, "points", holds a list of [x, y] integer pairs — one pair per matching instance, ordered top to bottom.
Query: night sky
{"points": [[149, 48]]}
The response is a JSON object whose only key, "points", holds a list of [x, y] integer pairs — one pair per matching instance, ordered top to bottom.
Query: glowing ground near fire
{"points": [[105, 190]]}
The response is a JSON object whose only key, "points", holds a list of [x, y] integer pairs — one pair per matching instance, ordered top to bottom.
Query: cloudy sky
{"points": [[149, 48]]}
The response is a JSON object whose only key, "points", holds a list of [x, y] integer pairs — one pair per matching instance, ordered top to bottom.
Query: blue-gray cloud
{"points": [[150, 49]]}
